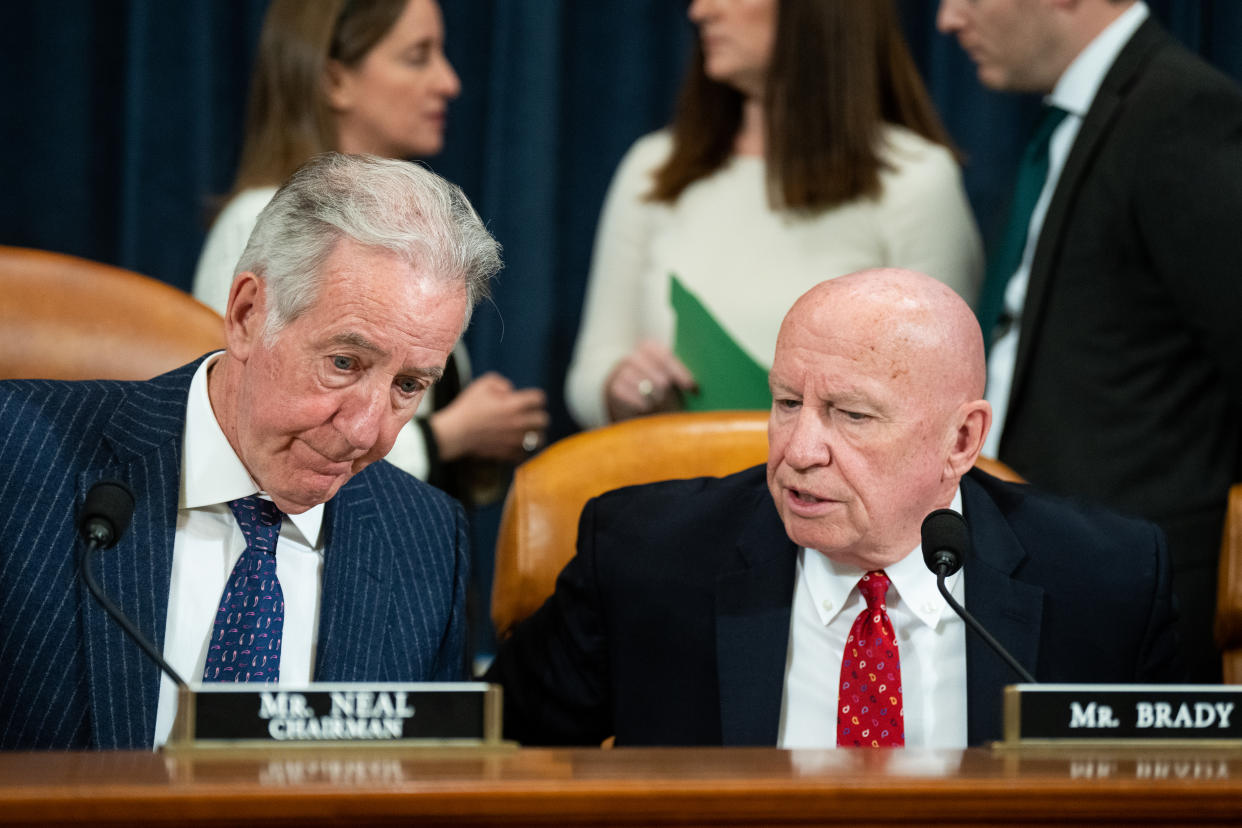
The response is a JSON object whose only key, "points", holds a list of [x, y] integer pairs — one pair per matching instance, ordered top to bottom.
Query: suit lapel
{"points": [[1096, 126], [144, 435], [356, 585], [753, 608], [1010, 610]]}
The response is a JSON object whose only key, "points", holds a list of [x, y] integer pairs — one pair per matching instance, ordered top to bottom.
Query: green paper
{"points": [[727, 376]]}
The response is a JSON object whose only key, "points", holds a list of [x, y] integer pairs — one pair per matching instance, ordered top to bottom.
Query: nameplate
{"points": [[1107, 713], [233, 715]]}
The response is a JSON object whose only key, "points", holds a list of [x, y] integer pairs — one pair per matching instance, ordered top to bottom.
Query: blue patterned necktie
{"points": [[1032, 175], [245, 642]]}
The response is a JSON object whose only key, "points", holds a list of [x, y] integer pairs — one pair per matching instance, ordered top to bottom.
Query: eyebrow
{"points": [[357, 340], [846, 397]]}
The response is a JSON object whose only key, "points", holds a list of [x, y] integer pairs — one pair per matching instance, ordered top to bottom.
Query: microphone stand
{"points": [[84, 566], [977, 627]]}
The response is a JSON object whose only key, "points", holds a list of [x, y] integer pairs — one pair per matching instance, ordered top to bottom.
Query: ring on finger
{"points": [[646, 388], [530, 440]]}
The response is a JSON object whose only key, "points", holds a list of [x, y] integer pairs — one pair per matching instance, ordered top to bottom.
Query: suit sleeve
{"points": [[1187, 208], [927, 222], [611, 324], [1159, 659], [554, 667]]}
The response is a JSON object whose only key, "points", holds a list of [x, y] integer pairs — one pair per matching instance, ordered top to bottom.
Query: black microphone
{"points": [[106, 513], [946, 541]]}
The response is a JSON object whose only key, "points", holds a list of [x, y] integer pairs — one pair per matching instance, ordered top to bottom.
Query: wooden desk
{"points": [[624, 787]]}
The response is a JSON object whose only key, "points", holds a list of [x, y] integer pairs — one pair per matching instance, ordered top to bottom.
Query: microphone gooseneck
{"points": [[105, 516], [946, 542]]}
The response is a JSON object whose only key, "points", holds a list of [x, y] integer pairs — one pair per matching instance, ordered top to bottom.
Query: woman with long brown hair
{"points": [[366, 76], [804, 147]]}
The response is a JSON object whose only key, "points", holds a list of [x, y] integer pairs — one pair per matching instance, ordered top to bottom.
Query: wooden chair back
{"points": [[63, 317], [539, 524], [1229, 590]]}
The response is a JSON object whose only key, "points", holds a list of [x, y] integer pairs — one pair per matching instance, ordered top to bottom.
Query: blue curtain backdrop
{"points": [[125, 117]]}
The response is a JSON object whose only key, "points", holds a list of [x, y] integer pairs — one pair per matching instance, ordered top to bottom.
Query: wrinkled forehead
{"points": [[887, 328], [885, 350]]}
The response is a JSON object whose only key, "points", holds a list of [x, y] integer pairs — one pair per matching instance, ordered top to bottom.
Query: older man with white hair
{"points": [[269, 543]]}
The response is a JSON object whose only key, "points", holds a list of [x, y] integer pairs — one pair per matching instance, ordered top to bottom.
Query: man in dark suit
{"points": [[355, 286], [1116, 374], [718, 611]]}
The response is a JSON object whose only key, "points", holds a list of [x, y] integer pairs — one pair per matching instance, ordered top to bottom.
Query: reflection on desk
{"points": [[755, 786]]}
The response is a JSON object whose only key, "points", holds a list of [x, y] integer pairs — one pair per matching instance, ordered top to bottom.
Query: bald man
{"points": [[734, 610]]}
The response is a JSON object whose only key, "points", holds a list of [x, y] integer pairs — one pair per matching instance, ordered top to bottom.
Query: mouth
{"points": [[330, 464], [808, 504]]}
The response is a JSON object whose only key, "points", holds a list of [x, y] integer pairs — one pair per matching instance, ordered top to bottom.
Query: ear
{"points": [[338, 86], [245, 317], [971, 427]]}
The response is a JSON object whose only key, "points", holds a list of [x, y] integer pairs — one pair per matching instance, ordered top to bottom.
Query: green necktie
{"points": [[1032, 173]]}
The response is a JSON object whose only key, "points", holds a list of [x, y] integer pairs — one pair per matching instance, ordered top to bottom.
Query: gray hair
{"points": [[378, 202]]}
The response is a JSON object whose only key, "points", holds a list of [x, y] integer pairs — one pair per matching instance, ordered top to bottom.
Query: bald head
{"points": [[907, 316], [877, 412]]}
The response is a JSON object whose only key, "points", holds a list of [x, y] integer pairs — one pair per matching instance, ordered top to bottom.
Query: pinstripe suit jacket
{"points": [[394, 578]]}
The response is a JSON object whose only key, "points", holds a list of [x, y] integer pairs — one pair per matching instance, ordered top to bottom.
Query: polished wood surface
{"points": [[758, 786]]}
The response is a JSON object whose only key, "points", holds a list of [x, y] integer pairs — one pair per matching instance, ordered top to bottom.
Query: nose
{"points": [[699, 10], [948, 17], [450, 84], [360, 418], [808, 443]]}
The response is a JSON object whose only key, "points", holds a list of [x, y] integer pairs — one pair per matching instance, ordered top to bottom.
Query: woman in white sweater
{"points": [[366, 76], [804, 147]]}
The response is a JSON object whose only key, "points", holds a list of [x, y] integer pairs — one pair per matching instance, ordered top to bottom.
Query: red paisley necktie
{"points": [[869, 707]]}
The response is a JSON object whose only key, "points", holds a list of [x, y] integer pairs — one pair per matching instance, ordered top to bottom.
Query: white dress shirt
{"points": [[1075, 91], [208, 544], [931, 645]]}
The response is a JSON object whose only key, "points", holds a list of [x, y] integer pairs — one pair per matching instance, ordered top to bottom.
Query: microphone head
{"points": [[106, 512], [946, 541]]}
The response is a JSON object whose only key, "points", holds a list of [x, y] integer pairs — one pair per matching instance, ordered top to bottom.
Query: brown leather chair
{"points": [[62, 317], [539, 525], [1229, 590]]}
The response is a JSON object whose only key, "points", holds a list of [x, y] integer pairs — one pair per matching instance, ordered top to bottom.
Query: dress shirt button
{"points": [[827, 605]]}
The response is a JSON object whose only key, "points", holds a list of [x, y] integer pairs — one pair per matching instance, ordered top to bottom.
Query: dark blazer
{"points": [[1128, 383], [394, 577], [671, 625]]}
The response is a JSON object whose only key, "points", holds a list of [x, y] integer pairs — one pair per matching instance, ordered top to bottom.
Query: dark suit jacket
{"points": [[1128, 383], [394, 578], [671, 625]]}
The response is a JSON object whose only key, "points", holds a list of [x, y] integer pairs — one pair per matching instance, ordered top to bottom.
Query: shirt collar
{"points": [[1076, 88], [211, 472], [830, 582]]}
